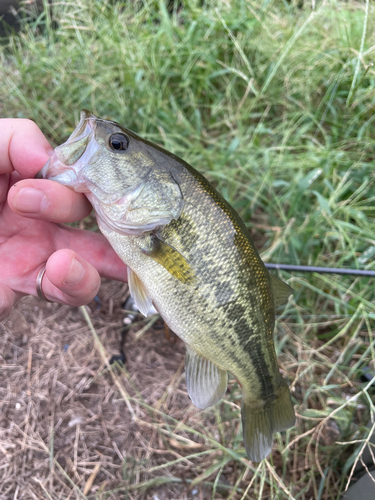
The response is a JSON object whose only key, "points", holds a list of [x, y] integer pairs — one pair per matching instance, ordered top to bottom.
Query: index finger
{"points": [[23, 147]]}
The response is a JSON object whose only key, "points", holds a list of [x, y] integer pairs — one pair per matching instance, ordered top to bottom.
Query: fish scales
{"points": [[190, 255], [239, 326]]}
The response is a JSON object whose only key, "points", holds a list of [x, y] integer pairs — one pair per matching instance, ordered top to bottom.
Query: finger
{"points": [[23, 147], [47, 200], [95, 249], [70, 279], [7, 300]]}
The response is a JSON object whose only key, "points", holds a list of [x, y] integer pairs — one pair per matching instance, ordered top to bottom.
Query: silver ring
{"points": [[38, 284]]}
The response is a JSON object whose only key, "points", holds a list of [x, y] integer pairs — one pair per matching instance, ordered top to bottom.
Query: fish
{"points": [[188, 254]]}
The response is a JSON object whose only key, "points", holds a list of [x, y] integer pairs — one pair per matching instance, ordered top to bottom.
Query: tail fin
{"points": [[259, 422]]}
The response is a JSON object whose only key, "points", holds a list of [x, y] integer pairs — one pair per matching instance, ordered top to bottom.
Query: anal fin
{"points": [[140, 295], [206, 383]]}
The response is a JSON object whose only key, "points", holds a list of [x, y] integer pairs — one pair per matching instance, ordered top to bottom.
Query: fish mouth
{"points": [[87, 124], [63, 165]]}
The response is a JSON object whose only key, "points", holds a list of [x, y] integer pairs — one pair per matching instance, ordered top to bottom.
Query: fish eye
{"points": [[118, 142]]}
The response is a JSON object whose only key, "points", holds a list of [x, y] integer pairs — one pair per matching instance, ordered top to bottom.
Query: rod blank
{"points": [[322, 270]]}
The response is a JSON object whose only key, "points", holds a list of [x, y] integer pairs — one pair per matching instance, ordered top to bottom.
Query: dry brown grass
{"points": [[61, 415], [65, 430]]}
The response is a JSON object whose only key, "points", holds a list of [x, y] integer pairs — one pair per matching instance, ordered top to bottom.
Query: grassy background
{"points": [[274, 102]]}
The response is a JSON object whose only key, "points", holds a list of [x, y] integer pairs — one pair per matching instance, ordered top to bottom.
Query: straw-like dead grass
{"points": [[62, 421]]}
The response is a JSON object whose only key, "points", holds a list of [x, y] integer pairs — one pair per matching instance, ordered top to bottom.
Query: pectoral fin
{"points": [[170, 259], [281, 291], [140, 295], [206, 383]]}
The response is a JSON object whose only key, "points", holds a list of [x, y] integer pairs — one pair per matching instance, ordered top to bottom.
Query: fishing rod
{"points": [[321, 270]]}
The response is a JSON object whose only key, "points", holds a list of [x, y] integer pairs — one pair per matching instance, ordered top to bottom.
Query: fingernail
{"points": [[30, 200], [75, 273]]}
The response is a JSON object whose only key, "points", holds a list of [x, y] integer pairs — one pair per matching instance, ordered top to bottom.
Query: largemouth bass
{"points": [[190, 255]]}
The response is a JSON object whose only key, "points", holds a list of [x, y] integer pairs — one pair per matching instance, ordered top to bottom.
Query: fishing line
{"points": [[321, 270]]}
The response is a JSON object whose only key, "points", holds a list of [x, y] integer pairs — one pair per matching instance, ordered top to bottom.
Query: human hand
{"points": [[31, 234]]}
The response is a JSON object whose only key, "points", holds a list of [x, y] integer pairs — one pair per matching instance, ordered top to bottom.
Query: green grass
{"points": [[275, 104]]}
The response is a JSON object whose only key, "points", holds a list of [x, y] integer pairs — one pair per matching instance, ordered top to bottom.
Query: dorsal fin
{"points": [[281, 291], [206, 383]]}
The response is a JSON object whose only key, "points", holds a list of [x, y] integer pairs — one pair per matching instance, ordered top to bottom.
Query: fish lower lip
{"points": [[43, 170], [55, 171], [67, 177]]}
